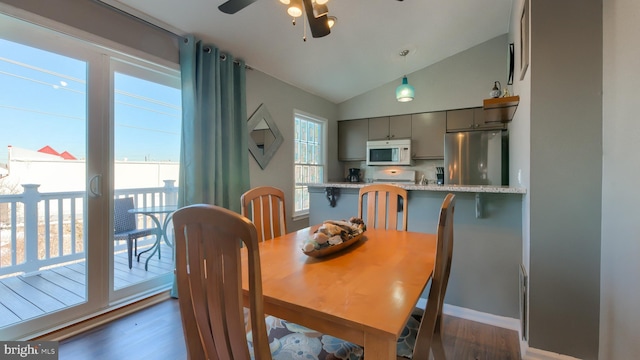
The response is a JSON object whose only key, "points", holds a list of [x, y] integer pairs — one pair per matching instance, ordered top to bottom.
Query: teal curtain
{"points": [[214, 155]]}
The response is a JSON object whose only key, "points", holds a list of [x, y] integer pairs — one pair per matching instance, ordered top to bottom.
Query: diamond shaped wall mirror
{"points": [[264, 136]]}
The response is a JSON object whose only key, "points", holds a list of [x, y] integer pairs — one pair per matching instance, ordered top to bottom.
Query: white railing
{"points": [[39, 230]]}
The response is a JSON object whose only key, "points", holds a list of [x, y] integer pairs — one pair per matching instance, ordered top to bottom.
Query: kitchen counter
{"points": [[432, 187]]}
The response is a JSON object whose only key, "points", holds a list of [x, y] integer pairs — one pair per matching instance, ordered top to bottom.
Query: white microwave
{"points": [[389, 152]]}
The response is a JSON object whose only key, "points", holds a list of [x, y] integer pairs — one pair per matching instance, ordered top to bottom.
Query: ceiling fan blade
{"points": [[233, 6], [319, 25]]}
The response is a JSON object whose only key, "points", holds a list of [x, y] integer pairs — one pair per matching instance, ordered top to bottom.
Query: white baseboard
{"points": [[477, 316], [485, 318], [89, 322], [503, 322], [536, 354]]}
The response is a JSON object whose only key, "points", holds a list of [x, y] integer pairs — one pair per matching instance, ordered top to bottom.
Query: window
{"points": [[309, 158]]}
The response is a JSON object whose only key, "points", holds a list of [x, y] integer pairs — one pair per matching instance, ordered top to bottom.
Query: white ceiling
{"points": [[360, 54]]}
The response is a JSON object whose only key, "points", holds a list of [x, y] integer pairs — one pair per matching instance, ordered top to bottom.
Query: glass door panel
{"points": [[147, 121], [43, 152]]}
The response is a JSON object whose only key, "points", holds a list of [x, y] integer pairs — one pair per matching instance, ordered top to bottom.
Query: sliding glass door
{"points": [[80, 126]]}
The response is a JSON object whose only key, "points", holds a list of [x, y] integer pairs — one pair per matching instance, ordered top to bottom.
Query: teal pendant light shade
{"points": [[405, 92]]}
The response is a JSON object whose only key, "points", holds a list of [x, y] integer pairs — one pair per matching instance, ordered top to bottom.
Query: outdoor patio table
{"points": [[153, 212]]}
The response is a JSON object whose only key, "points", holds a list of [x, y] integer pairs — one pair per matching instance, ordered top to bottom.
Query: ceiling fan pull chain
{"points": [[304, 28]]}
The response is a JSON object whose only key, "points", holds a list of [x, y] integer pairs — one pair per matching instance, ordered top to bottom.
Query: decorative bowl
{"points": [[327, 250]]}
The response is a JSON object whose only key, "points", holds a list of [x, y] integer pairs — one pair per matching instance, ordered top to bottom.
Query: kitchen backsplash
{"points": [[421, 167]]}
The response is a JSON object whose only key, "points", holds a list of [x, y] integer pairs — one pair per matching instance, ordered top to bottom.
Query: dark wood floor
{"points": [[156, 333]]}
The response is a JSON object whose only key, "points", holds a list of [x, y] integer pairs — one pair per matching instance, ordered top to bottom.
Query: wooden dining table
{"points": [[363, 294]]}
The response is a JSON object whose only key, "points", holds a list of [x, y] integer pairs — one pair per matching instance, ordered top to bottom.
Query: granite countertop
{"points": [[433, 187]]}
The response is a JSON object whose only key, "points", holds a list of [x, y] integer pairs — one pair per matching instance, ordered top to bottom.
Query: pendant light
{"points": [[405, 92]]}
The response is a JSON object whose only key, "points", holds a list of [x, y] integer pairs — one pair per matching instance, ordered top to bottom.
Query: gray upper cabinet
{"points": [[469, 119], [390, 127], [400, 127], [379, 128], [426, 131], [427, 135], [352, 140]]}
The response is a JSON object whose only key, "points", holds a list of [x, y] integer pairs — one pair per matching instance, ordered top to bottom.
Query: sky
{"points": [[43, 101]]}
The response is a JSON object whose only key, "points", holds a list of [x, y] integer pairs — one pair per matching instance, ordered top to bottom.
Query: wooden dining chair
{"points": [[384, 203], [264, 205], [208, 240], [209, 277], [423, 332], [429, 336]]}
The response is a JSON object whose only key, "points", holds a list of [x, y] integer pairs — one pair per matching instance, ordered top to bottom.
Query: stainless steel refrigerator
{"points": [[476, 158]]}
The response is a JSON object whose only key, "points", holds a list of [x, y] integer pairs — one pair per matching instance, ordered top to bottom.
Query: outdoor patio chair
{"points": [[125, 227]]}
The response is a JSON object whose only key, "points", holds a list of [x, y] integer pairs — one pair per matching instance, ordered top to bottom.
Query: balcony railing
{"points": [[40, 230]]}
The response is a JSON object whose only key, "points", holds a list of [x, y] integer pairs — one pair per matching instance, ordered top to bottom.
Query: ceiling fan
{"points": [[319, 25]]}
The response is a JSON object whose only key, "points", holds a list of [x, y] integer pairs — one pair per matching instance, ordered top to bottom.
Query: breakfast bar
{"points": [[487, 255]]}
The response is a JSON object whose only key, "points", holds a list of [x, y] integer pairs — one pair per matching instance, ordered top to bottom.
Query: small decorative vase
{"points": [[496, 92]]}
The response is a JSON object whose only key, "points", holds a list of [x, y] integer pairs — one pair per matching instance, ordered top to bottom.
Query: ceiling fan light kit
{"points": [[295, 8], [317, 12], [332, 20]]}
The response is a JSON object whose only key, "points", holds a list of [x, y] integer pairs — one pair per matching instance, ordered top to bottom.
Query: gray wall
{"points": [[459, 81], [281, 100], [566, 176], [620, 288]]}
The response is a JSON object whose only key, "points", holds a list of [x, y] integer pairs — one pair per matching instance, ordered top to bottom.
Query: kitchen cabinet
{"points": [[470, 119], [390, 127], [427, 135], [352, 139]]}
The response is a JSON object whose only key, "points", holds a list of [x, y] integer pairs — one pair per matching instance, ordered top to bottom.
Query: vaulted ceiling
{"points": [[360, 54]]}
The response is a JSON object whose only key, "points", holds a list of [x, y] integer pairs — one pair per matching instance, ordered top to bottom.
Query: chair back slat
{"points": [[265, 206], [383, 207], [208, 240], [429, 333]]}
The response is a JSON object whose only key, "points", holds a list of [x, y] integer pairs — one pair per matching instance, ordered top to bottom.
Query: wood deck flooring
{"points": [[26, 297]]}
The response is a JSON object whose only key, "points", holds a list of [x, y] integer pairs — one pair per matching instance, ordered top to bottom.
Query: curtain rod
{"points": [[151, 22], [223, 57]]}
